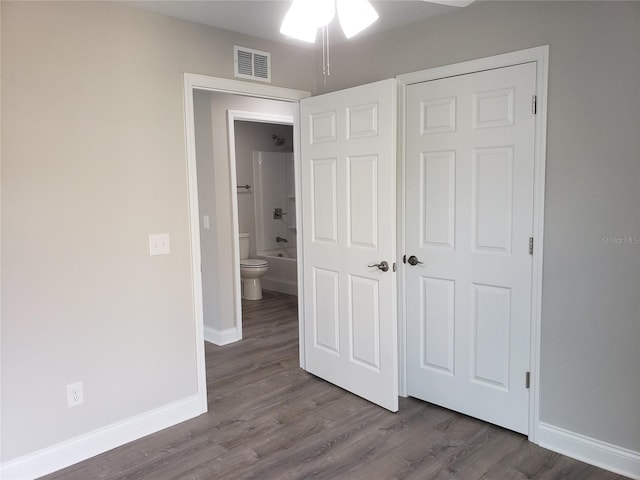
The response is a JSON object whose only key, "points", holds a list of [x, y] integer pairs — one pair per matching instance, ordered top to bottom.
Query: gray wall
{"points": [[93, 161], [591, 292]]}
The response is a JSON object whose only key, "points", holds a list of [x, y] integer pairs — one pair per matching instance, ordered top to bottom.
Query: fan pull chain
{"points": [[324, 58], [328, 62], [326, 67]]}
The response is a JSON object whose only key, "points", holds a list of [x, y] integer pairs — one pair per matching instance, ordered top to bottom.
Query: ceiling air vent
{"points": [[252, 64]]}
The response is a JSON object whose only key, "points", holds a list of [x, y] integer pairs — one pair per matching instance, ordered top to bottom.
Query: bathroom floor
{"points": [[274, 311]]}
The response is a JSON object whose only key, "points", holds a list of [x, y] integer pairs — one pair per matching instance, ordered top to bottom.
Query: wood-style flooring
{"points": [[268, 419]]}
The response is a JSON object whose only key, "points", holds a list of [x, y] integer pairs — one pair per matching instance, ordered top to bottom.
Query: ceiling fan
{"points": [[305, 17]]}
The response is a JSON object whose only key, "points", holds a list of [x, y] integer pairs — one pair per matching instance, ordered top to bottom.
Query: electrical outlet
{"points": [[74, 394]]}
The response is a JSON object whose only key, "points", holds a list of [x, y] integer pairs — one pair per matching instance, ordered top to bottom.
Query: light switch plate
{"points": [[205, 222], [159, 244]]}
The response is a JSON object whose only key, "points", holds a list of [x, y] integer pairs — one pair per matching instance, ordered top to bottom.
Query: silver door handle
{"points": [[413, 260], [383, 265]]}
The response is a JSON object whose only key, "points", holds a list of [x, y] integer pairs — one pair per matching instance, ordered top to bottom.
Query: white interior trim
{"points": [[540, 55], [215, 84], [232, 116], [401, 226], [194, 234], [300, 240], [222, 337], [74, 450], [589, 450]]}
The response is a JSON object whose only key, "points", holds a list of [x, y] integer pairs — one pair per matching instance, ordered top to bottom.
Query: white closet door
{"points": [[469, 196]]}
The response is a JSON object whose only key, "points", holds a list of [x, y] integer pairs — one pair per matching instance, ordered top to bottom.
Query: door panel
{"points": [[469, 196], [492, 198], [324, 200], [363, 201], [438, 202], [348, 211], [364, 322], [437, 327], [326, 331]]}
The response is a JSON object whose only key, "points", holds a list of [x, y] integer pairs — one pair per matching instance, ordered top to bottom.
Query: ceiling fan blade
{"points": [[452, 3]]}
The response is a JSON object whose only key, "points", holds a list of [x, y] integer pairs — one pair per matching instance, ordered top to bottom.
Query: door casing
{"points": [[539, 55], [222, 85], [257, 117]]}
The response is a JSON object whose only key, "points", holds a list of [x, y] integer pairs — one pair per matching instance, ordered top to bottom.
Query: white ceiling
{"points": [[262, 18]]}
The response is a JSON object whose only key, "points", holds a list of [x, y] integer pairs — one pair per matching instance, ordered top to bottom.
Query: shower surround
{"points": [[275, 216]]}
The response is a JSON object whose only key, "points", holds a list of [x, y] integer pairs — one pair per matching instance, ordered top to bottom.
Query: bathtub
{"points": [[282, 275]]}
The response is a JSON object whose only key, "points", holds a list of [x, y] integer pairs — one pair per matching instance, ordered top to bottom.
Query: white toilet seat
{"points": [[253, 263]]}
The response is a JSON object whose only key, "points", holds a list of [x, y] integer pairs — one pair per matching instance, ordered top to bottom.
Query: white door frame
{"points": [[540, 55], [223, 85], [232, 116]]}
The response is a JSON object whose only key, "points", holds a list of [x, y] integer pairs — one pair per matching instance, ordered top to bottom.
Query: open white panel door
{"points": [[348, 145]]}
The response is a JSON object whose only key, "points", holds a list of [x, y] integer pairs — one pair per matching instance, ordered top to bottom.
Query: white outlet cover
{"points": [[159, 244], [75, 395]]}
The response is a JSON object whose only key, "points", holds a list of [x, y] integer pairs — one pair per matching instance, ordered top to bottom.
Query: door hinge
{"points": [[534, 104], [530, 245], [404, 259], [527, 379]]}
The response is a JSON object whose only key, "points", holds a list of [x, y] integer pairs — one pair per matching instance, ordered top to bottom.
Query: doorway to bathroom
{"points": [[239, 193], [266, 198]]}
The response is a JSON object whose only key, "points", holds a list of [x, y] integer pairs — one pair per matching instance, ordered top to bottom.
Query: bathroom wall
{"points": [[250, 137], [274, 188], [209, 226]]}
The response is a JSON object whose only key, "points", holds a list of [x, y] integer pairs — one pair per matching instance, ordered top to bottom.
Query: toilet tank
{"points": [[244, 246]]}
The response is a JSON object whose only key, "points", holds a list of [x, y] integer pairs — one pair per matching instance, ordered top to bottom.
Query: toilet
{"points": [[251, 269]]}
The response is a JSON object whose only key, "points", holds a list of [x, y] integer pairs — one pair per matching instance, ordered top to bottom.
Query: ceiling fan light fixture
{"points": [[322, 10], [355, 16], [304, 17], [298, 24]]}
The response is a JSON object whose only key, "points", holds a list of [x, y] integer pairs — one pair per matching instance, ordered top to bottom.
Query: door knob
{"points": [[413, 260], [383, 265]]}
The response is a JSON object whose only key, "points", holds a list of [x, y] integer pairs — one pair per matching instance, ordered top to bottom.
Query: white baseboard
{"points": [[279, 286], [221, 337], [80, 448], [589, 450]]}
